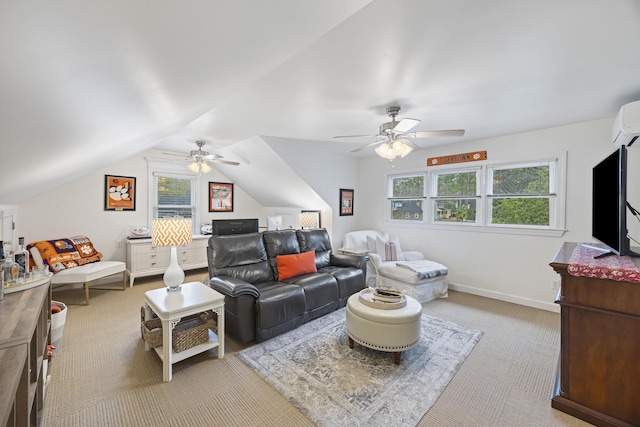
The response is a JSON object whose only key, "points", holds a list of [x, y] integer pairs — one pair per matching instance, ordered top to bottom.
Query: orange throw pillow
{"points": [[295, 264]]}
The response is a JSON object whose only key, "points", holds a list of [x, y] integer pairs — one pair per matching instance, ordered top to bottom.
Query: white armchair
{"points": [[391, 267]]}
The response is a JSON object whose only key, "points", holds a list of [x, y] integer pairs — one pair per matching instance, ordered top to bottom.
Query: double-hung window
{"points": [[173, 192], [522, 194], [406, 195], [455, 196]]}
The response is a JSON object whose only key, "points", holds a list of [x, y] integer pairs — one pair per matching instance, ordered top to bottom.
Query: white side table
{"points": [[170, 307]]}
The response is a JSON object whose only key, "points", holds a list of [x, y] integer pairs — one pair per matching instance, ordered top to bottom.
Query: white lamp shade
{"points": [[309, 219]]}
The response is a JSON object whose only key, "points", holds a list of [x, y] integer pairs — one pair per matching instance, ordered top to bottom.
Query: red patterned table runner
{"points": [[584, 263]]}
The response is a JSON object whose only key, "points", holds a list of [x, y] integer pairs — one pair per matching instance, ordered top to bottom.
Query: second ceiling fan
{"points": [[395, 136]]}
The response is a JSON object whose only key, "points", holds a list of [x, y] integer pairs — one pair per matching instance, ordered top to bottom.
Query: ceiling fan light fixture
{"points": [[401, 148], [385, 151], [199, 166], [194, 167]]}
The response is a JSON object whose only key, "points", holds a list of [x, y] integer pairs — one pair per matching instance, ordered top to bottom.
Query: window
{"points": [[173, 191], [522, 194], [174, 196], [455, 196], [407, 197], [523, 198]]}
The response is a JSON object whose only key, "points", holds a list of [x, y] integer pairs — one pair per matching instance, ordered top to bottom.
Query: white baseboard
{"points": [[542, 305]]}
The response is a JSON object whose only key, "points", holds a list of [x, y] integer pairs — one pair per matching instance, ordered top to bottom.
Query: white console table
{"points": [[145, 259]]}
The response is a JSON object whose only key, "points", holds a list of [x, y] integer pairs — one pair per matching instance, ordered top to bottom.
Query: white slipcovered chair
{"points": [[391, 267]]}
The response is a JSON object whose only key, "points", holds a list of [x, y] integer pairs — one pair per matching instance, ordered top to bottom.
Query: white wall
{"points": [[78, 208], [504, 266], [510, 267]]}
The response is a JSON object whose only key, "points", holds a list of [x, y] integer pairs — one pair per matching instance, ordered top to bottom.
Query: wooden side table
{"points": [[170, 307]]}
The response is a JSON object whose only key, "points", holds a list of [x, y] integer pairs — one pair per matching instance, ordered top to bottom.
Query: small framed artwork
{"points": [[119, 193], [220, 197], [346, 202]]}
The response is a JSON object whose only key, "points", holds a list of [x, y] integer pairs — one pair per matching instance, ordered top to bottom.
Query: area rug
{"points": [[314, 368]]}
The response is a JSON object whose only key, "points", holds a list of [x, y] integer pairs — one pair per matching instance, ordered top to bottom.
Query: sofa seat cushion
{"points": [[88, 272], [350, 280], [319, 289], [278, 303]]}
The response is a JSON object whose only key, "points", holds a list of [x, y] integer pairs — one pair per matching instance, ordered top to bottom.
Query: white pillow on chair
{"points": [[389, 249]]}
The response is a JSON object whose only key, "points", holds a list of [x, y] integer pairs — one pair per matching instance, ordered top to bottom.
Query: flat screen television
{"points": [[609, 204], [223, 227]]}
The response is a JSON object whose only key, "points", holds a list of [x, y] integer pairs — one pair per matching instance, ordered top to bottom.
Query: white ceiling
{"points": [[84, 84]]}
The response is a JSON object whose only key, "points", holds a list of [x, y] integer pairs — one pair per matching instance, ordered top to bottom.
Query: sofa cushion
{"points": [[316, 240], [280, 242], [242, 256], [295, 264]]}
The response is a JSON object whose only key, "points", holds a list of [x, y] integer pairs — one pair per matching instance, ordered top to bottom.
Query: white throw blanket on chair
{"points": [[424, 268]]}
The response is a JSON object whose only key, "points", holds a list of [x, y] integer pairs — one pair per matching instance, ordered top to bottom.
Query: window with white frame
{"points": [[173, 193], [522, 194], [407, 196], [455, 196], [510, 197]]}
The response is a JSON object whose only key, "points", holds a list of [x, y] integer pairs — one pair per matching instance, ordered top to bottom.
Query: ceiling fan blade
{"points": [[405, 124], [437, 133], [356, 136], [371, 144], [411, 144], [176, 154], [226, 162]]}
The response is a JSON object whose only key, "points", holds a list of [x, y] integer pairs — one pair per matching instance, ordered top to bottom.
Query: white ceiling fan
{"points": [[395, 136], [202, 158]]}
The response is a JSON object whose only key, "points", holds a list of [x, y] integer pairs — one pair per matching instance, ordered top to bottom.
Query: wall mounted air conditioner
{"points": [[626, 127]]}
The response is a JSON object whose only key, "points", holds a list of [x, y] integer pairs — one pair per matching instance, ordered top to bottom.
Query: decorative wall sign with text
{"points": [[457, 158]]}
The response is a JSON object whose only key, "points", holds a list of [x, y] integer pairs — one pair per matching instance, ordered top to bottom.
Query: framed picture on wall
{"points": [[119, 193], [220, 197], [346, 202]]}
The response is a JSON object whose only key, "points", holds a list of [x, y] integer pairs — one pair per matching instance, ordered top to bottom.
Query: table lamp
{"points": [[308, 219], [172, 232]]}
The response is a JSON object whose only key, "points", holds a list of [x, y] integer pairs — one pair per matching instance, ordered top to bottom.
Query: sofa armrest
{"points": [[375, 259], [349, 260], [232, 287]]}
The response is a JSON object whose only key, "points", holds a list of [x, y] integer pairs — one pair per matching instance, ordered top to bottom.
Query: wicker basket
{"points": [[189, 332]]}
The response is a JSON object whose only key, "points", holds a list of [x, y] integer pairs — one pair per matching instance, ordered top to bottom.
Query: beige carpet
{"points": [[102, 376]]}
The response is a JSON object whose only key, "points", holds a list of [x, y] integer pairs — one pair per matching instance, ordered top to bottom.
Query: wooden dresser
{"points": [[25, 320], [598, 374]]}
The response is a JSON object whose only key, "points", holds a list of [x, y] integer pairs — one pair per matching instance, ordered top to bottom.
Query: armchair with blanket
{"points": [[391, 267]]}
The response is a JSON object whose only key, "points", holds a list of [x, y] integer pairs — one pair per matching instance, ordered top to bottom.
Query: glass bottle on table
{"points": [[21, 257], [10, 269]]}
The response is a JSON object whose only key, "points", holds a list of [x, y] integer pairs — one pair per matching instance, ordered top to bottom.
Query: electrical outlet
{"points": [[118, 244], [555, 284]]}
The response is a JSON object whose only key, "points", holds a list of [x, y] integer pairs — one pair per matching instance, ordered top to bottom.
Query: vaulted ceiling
{"points": [[85, 84]]}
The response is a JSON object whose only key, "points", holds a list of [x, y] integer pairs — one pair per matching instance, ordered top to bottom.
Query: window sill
{"points": [[546, 232]]}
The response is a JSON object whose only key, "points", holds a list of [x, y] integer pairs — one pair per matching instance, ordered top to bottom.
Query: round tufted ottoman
{"points": [[385, 330]]}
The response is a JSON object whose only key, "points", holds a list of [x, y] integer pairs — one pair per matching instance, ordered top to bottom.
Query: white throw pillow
{"points": [[389, 249], [399, 255]]}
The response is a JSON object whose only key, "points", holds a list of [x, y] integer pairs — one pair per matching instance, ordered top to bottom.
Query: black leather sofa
{"points": [[258, 306]]}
